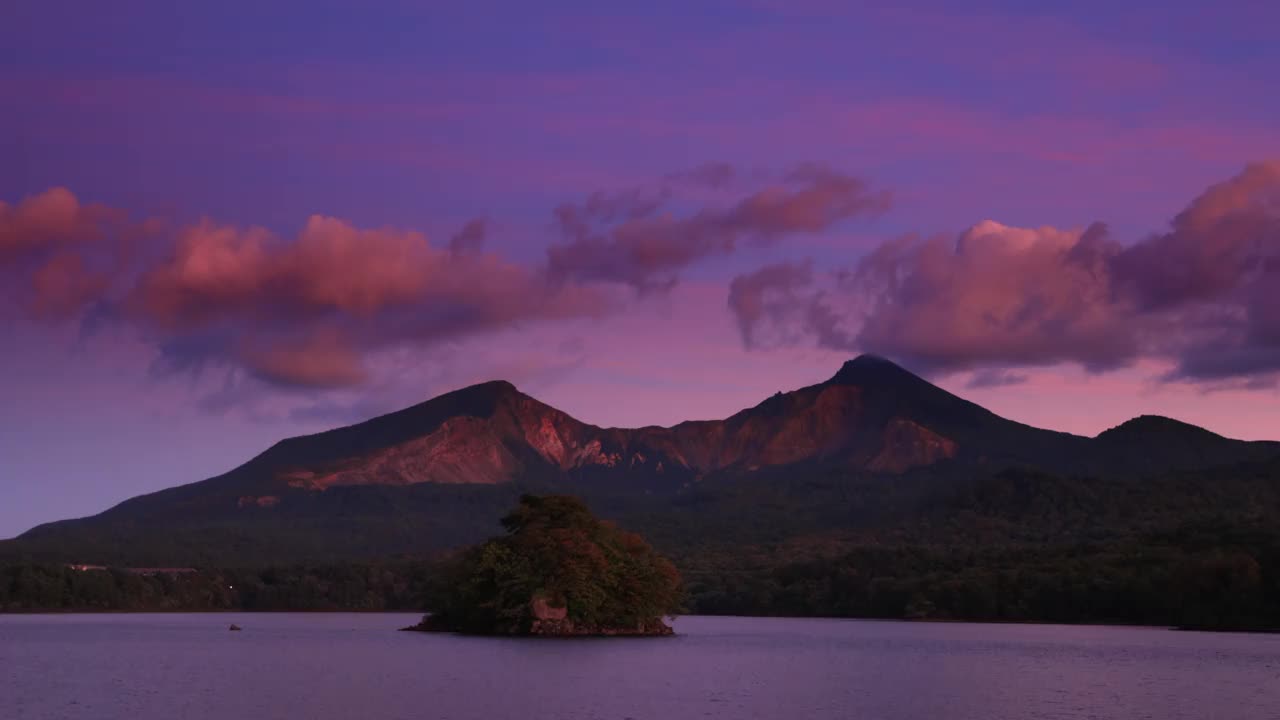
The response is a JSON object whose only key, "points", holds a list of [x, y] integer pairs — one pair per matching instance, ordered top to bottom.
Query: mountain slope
{"points": [[433, 476]]}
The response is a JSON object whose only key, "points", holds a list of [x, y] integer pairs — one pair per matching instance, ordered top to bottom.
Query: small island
{"points": [[557, 572]]}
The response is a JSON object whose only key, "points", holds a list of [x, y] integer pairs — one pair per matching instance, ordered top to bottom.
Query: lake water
{"points": [[351, 667]]}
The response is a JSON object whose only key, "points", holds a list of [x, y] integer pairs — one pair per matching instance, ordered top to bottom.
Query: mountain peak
{"points": [[869, 369], [490, 388], [482, 394], [872, 418], [1156, 425]]}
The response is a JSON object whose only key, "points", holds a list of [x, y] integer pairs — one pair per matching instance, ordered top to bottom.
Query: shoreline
{"points": [[207, 611], [416, 627]]}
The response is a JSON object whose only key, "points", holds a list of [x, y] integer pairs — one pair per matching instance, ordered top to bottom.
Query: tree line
{"points": [[1189, 549], [354, 587]]}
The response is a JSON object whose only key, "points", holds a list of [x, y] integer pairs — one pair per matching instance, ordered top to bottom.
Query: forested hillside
{"points": [[873, 494], [1196, 549]]}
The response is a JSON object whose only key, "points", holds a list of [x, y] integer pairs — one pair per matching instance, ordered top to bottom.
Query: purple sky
{"points": [[226, 223]]}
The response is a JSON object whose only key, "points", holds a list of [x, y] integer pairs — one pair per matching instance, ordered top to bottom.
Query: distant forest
{"points": [[1193, 549], [1212, 577], [59, 588]]}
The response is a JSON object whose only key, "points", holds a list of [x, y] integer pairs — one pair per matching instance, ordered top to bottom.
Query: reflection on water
{"points": [[340, 666]]}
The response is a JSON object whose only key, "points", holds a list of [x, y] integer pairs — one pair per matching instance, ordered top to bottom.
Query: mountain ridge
{"points": [[480, 445]]}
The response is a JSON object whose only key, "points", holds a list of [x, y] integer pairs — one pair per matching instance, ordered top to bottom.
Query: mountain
{"points": [[1152, 444], [433, 476]]}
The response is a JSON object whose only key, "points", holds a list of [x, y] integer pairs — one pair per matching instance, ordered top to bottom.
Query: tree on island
{"points": [[557, 571]]}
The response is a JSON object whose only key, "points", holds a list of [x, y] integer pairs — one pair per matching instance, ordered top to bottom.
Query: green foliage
{"points": [[1196, 548], [1193, 549], [557, 552], [1141, 580], [36, 587]]}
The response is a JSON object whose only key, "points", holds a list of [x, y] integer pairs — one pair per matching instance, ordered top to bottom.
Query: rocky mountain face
{"points": [[872, 415], [435, 474]]}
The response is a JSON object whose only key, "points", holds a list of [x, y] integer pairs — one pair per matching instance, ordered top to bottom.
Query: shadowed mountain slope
{"points": [[433, 476]]}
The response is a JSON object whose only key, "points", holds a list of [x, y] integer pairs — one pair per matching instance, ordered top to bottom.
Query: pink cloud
{"points": [[47, 220], [1221, 238], [625, 239], [58, 255], [213, 269], [64, 286], [1013, 295], [1199, 295], [767, 298], [313, 303], [311, 309], [321, 360]]}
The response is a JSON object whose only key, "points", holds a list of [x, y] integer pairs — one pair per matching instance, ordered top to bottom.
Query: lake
{"points": [[354, 666]]}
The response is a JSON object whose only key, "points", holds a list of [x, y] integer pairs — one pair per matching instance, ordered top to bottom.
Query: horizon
{"points": [[637, 215]]}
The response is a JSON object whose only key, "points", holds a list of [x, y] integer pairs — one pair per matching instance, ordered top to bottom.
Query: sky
{"points": [[222, 224]]}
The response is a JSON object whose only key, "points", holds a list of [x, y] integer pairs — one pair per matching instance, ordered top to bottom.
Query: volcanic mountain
{"points": [[872, 415], [436, 474]]}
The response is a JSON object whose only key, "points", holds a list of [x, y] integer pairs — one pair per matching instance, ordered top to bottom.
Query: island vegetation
{"points": [[557, 571]]}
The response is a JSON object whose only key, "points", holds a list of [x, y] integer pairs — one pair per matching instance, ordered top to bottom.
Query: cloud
{"points": [[715, 175], [47, 221], [470, 239], [634, 239], [1220, 240], [59, 256], [218, 271], [1213, 279], [63, 287], [996, 294], [1201, 296], [766, 299], [772, 305], [311, 310], [301, 311], [1237, 341], [320, 360], [996, 377]]}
